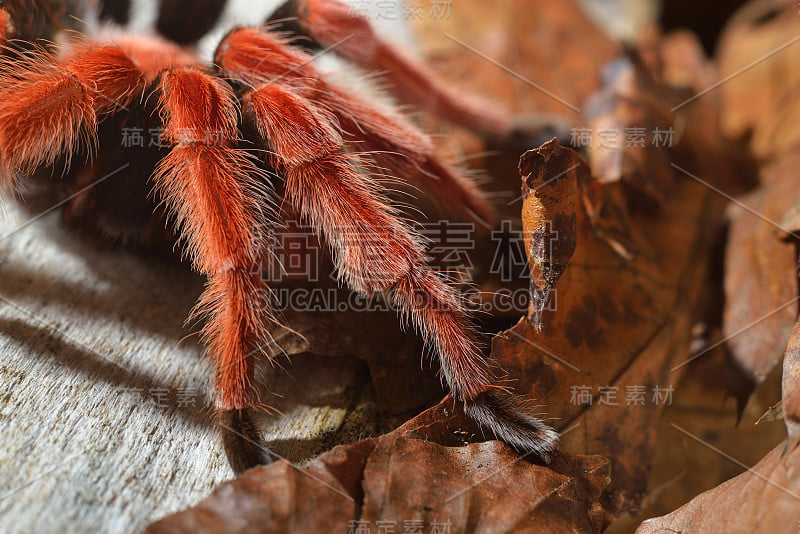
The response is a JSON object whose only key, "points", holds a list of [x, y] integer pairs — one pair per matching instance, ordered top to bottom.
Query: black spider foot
{"points": [[507, 419], [242, 441]]}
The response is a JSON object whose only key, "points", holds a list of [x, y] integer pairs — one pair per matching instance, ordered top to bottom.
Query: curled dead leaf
{"points": [[633, 102], [549, 224], [761, 287], [609, 354], [422, 475], [765, 498]]}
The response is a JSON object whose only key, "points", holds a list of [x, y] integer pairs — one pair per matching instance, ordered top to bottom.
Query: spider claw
{"points": [[507, 420], [242, 441]]}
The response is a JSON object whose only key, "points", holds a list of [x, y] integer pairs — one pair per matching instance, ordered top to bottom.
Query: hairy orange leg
{"points": [[333, 23], [257, 57], [50, 106], [213, 190], [375, 251]]}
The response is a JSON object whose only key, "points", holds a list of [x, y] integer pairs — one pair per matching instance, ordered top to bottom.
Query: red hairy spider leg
{"points": [[34, 20], [331, 21], [6, 26], [256, 57], [49, 105], [395, 144], [323, 182], [211, 190], [373, 248], [375, 251]]}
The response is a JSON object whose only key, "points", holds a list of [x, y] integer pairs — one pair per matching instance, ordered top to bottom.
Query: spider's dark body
{"points": [[257, 125], [119, 209]]}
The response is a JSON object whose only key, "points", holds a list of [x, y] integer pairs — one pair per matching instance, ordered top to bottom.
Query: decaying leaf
{"points": [[554, 44], [758, 54], [538, 59], [632, 102], [549, 225], [759, 277], [760, 283], [619, 331], [612, 349], [791, 387], [682, 467], [422, 475], [765, 498]]}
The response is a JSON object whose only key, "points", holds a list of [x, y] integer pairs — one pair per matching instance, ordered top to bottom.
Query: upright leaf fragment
{"points": [[549, 225]]}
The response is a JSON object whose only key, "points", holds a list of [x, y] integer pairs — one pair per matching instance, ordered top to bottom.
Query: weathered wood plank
{"points": [[104, 403]]}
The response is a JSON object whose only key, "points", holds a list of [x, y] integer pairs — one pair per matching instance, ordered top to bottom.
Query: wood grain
{"points": [[104, 401]]}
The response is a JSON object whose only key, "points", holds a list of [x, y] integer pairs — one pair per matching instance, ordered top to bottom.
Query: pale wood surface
{"points": [[83, 334]]}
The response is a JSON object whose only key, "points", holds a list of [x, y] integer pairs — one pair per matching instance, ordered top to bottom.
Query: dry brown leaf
{"points": [[554, 46], [758, 54], [539, 59], [631, 99], [549, 225], [759, 273], [760, 278], [761, 287], [618, 327], [615, 343], [791, 387], [684, 468], [421, 474], [281, 498], [766, 498]]}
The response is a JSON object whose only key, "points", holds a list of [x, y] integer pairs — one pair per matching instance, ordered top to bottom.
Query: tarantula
{"points": [[262, 95]]}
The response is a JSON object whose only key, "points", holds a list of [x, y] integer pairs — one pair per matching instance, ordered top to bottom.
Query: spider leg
{"points": [[34, 20], [333, 23], [343, 29], [7, 30], [257, 57], [49, 107], [212, 189], [375, 251]]}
